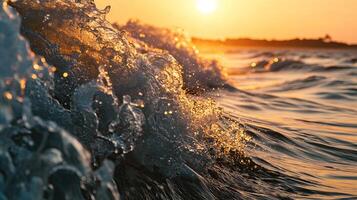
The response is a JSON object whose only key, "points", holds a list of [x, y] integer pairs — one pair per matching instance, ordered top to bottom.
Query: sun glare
{"points": [[206, 6]]}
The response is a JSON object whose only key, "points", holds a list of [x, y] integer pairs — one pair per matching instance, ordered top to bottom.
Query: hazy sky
{"points": [[272, 19]]}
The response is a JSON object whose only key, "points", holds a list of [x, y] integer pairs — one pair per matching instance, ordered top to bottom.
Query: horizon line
{"points": [[223, 39]]}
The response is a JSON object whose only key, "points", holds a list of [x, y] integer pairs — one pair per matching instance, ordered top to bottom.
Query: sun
{"points": [[206, 6]]}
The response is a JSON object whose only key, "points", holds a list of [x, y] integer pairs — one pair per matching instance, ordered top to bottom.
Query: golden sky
{"points": [[271, 19]]}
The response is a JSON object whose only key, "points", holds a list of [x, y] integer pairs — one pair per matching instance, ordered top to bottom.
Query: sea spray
{"points": [[198, 74], [121, 100], [37, 156]]}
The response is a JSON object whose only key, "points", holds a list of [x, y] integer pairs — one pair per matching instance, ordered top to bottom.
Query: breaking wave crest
{"points": [[198, 74], [95, 113]]}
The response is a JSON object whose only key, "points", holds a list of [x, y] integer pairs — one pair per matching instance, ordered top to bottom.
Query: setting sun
{"points": [[206, 6]]}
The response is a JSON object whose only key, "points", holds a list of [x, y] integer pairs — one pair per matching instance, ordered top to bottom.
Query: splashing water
{"points": [[198, 74], [100, 108], [92, 110]]}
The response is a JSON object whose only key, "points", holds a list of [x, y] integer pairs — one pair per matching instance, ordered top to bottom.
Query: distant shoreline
{"points": [[325, 43]]}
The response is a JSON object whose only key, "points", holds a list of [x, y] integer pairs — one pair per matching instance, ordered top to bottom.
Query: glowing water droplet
{"points": [[65, 74]]}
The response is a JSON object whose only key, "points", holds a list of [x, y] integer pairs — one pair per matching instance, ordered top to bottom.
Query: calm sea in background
{"points": [[300, 106]]}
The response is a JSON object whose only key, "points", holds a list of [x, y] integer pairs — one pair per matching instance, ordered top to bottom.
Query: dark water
{"points": [[91, 110]]}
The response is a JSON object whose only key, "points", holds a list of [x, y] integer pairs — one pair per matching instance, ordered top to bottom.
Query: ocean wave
{"points": [[286, 65], [198, 73], [308, 82], [105, 109], [92, 110], [37, 156]]}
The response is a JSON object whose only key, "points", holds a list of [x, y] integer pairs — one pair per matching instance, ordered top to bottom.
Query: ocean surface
{"points": [[300, 106], [94, 110]]}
